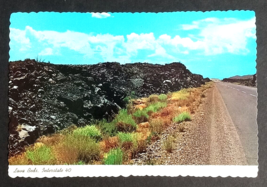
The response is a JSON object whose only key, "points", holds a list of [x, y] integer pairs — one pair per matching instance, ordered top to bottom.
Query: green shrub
{"points": [[162, 97], [155, 107], [140, 113], [141, 116], [185, 116], [124, 121], [109, 129], [89, 130], [125, 137], [86, 148], [40, 155], [114, 157], [80, 163]]}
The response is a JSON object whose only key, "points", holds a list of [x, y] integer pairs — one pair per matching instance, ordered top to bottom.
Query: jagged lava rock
{"points": [[46, 97]]}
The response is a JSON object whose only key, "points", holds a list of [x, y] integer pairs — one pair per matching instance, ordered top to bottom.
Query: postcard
{"points": [[120, 94]]}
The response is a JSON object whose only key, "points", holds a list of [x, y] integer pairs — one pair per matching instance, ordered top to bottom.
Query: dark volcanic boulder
{"points": [[45, 97], [73, 102]]}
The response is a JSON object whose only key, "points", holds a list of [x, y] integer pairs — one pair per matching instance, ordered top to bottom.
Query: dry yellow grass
{"points": [[180, 95], [153, 98], [140, 101], [140, 106], [143, 125], [156, 125], [50, 140], [109, 143], [38, 144], [168, 144], [65, 154], [20, 159]]}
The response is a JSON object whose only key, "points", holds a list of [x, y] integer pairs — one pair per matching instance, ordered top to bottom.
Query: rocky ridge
{"points": [[247, 80], [44, 97]]}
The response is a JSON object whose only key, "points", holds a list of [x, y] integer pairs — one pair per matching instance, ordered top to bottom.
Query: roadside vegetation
{"points": [[120, 140]]}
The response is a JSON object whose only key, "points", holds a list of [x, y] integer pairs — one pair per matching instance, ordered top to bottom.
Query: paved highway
{"points": [[241, 102]]}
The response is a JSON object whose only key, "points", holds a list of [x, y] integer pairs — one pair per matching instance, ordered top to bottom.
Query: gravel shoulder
{"points": [[209, 139]]}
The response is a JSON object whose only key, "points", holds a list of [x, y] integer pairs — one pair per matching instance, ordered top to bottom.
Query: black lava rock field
{"points": [[44, 97]]}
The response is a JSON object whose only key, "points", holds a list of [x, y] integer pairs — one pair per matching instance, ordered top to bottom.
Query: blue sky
{"points": [[215, 44]]}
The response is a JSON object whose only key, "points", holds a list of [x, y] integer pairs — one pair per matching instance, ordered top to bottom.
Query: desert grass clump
{"points": [[169, 95], [180, 95], [163, 97], [153, 98], [155, 107], [167, 111], [141, 116], [184, 116], [124, 121], [166, 121], [156, 126], [182, 127], [107, 128], [68, 130], [89, 130], [125, 137], [50, 140], [126, 140], [109, 143], [139, 144], [168, 144], [84, 147], [66, 154], [42, 155], [114, 157], [20, 159]]}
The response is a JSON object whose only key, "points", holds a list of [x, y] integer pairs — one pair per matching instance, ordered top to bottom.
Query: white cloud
{"points": [[100, 15], [189, 27], [18, 36], [217, 36], [73, 40], [137, 42], [160, 51], [46, 52], [185, 52]]}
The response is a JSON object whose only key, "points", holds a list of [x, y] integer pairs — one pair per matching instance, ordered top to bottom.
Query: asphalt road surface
{"points": [[241, 102]]}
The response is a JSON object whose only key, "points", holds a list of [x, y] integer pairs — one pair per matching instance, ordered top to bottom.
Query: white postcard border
{"points": [[59, 171]]}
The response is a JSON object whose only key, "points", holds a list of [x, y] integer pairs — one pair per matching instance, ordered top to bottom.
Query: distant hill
{"points": [[242, 77], [247, 80]]}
